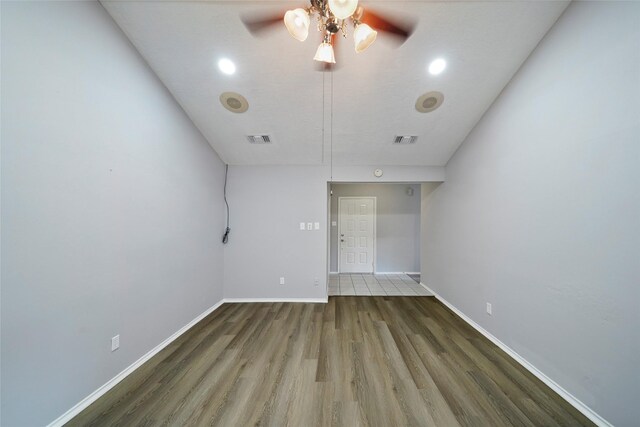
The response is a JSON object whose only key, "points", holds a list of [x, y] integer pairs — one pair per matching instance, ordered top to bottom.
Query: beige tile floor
{"points": [[378, 284]]}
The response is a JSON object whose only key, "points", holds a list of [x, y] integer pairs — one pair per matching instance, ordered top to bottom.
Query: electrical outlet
{"points": [[303, 226], [309, 226], [316, 226], [282, 280], [316, 282], [489, 310], [115, 343]]}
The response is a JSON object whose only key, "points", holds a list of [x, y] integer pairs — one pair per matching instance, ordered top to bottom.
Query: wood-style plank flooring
{"points": [[356, 361]]}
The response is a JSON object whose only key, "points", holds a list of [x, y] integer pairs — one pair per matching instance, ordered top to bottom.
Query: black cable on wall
{"points": [[225, 237]]}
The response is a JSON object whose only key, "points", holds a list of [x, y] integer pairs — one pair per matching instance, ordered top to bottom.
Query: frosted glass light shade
{"points": [[342, 9], [297, 23], [363, 36], [325, 53]]}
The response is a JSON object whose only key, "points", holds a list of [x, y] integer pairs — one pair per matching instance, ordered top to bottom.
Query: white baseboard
{"points": [[381, 272], [397, 272], [427, 288], [306, 300], [574, 401], [84, 403]]}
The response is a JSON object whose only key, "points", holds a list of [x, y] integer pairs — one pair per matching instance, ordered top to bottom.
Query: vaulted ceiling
{"points": [[371, 95]]}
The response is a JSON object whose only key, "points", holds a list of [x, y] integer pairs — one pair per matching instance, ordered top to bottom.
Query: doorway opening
{"points": [[374, 239]]}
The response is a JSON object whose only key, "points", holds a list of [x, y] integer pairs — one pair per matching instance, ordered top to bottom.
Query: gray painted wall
{"points": [[397, 174], [427, 189], [267, 205], [112, 209], [539, 213], [397, 224]]}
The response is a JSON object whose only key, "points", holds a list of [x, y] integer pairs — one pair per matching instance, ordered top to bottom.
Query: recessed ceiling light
{"points": [[227, 66], [437, 66]]}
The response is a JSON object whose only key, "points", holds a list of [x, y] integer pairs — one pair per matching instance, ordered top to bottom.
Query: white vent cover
{"points": [[259, 139], [405, 139]]}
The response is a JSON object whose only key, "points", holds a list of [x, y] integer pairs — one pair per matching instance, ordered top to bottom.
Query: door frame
{"points": [[375, 229]]}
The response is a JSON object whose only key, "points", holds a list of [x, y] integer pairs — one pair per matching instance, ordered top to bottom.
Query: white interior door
{"points": [[356, 234]]}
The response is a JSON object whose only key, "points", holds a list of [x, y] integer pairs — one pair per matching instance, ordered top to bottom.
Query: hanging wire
{"points": [[323, 74], [331, 129]]}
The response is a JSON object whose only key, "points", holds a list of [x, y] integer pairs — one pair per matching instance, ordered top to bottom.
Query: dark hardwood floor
{"points": [[378, 361]]}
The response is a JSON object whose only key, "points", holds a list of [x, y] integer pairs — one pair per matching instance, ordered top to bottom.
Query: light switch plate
{"points": [[334, 223], [302, 226], [309, 226], [316, 226], [282, 280]]}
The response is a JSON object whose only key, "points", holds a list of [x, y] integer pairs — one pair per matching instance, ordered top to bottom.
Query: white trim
{"points": [[375, 232], [333, 272], [396, 272], [428, 290], [305, 300], [574, 401], [80, 406]]}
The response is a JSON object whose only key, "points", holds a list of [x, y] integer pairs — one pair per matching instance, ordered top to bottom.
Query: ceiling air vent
{"points": [[259, 139], [405, 139]]}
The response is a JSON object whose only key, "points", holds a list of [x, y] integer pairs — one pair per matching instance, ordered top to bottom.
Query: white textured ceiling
{"points": [[373, 94]]}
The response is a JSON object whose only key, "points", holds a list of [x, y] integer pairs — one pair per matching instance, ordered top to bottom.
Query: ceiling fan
{"points": [[332, 18]]}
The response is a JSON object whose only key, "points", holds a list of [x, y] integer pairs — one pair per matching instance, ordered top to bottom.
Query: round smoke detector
{"points": [[234, 102], [429, 102]]}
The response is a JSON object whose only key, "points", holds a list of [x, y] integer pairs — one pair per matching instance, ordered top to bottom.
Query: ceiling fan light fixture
{"points": [[342, 9], [297, 22], [363, 37], [325, 53]]}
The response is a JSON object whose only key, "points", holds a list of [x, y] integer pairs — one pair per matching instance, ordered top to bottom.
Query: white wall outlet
{"points": [[334, 223], [302, 226], [309, 226], [316, 226], [282, 280], [316, 282], [489, 310], [115, 343]]}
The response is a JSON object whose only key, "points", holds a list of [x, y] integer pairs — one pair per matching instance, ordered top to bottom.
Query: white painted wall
{"points": [[267, 205], [112, 209], [539, 213], [397, 224]]}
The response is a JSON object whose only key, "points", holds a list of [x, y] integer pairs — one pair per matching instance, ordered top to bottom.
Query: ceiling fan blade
{"points": [[257, 26], [401, 30]]}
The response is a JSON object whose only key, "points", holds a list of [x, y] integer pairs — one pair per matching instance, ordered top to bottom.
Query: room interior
{"points": [[133, 133], [381, 260]]}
